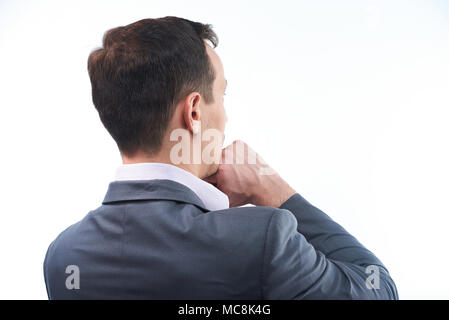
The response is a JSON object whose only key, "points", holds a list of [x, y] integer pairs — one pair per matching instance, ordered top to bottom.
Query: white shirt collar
{"points": [[212, 198]]}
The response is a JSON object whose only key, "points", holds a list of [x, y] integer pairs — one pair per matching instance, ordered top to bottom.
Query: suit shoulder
{"points": [[265, 212], [255, 214], [70, 232]]}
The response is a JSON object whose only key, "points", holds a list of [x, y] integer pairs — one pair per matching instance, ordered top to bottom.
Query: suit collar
{"points": [[156, 189], [212, 198]]}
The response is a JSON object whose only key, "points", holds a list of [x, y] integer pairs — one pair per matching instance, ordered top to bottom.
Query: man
{"points": [[172, 225]]}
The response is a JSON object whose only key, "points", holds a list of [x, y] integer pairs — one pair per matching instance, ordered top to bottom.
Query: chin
{"points": [[212, 169]]}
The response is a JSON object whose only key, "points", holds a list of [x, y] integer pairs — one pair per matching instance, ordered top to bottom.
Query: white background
{"points": [[347, 100]]}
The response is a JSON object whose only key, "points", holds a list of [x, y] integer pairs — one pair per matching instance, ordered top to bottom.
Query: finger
{"points": [[227, 155], [212, 179]]}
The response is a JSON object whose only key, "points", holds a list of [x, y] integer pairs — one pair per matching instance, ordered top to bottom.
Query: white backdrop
{"points": [[347, 100]]}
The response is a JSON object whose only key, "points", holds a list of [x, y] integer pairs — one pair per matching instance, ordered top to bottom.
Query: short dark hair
{"points": [[142, 72]]}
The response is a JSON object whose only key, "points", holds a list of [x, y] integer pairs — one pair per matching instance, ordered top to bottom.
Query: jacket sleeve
{"points": [[309, 256]]}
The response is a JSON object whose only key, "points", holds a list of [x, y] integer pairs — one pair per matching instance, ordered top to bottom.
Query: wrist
{"points": [[272, 191]]}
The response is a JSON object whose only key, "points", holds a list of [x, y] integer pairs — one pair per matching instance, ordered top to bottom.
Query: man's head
{"points": [[154, 76]]}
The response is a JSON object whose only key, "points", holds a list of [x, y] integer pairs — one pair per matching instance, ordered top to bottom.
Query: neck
{"points": [[195, 169]]}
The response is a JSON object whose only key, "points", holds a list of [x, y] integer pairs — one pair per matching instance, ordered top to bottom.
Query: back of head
{"points": [[141, 73]]}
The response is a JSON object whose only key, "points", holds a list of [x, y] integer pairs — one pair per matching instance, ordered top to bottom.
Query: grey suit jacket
{"points": [[154, 239]]}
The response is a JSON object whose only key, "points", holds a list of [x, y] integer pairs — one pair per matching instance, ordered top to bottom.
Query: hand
{"points": [[245, 178]]}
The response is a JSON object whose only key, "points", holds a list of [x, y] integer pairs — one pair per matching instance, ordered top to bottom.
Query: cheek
{"points": [[217, 117], [223, 117]]}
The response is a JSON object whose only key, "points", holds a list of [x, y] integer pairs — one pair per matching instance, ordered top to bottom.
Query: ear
{"points": [[192, 112]]}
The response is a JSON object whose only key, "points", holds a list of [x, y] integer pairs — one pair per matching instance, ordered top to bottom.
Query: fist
{"points": [[245, 178]]}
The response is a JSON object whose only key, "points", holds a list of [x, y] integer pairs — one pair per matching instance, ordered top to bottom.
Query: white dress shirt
{"points": [[212, 198]]}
